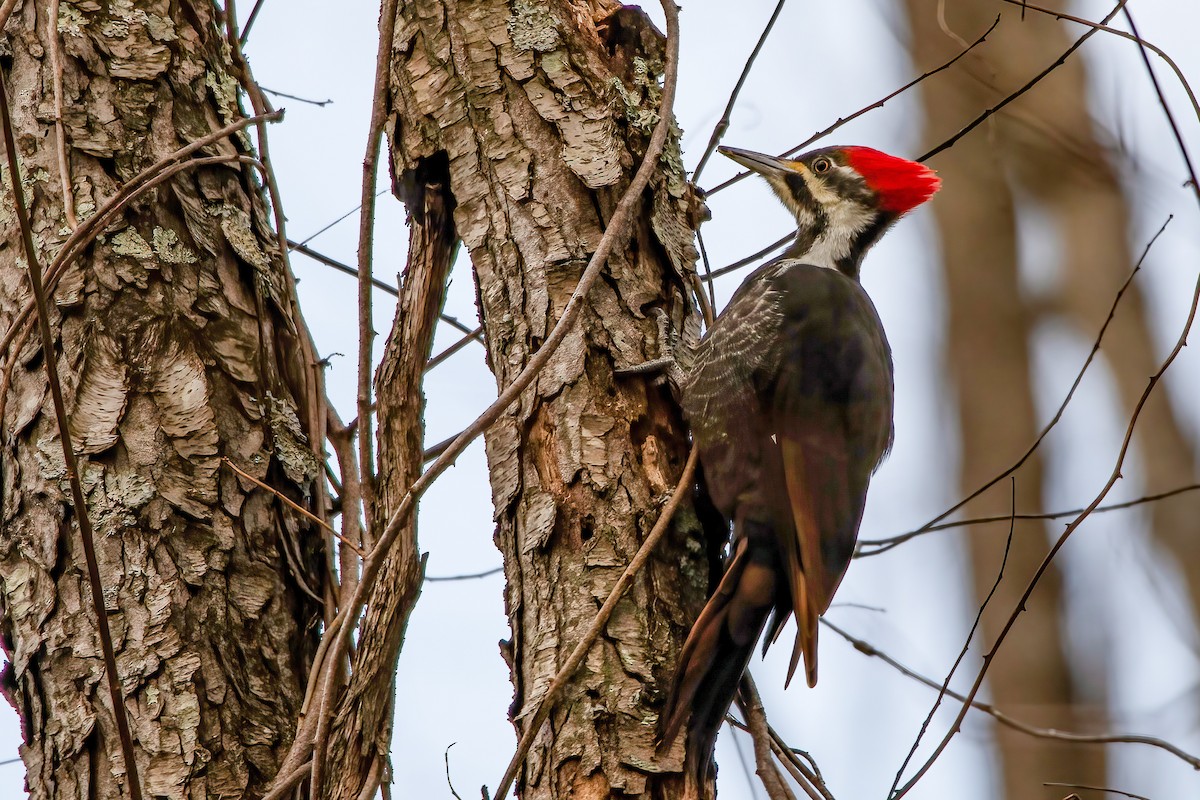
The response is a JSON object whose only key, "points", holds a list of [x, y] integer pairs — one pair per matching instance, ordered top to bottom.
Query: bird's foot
{"points": [[666, 367]]}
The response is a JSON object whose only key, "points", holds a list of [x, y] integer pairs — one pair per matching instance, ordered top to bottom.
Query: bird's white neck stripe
{"points": [[844, 223]]}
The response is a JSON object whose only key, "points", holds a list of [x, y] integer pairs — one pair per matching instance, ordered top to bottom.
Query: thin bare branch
{"points": [[258, 5], [1034, 81], [1183, 81], [286, 96], [1162, 102], [877, 104], [723, 124], [60, 131], [345, 216], [709, 276], [706, 299], [471, 334], [1062, 406], [342, 439], [70, 463], [364, 501], [293, 505], [884, 545], [469, 576], [868, 649], [944, 689], [756, 724], [446, 756], [799, 763], [747, 770], [284, 785], [1095, 789]]}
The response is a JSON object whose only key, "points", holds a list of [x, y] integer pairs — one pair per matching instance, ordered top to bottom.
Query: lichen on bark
{"points": [[523, 102], [175, 328]]}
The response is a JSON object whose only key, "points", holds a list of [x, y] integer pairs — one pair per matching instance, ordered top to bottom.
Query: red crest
{"points": [[902, 185]]}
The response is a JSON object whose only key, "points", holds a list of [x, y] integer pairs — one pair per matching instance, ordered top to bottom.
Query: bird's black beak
{"points": [[760, 162]]}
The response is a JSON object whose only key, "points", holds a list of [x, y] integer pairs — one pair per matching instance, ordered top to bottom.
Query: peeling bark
{"points": [[542, 111], [180, 344], [362, 728]]}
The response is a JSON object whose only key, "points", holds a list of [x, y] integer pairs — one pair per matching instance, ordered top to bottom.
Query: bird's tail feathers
{"points": [[716, 653]]}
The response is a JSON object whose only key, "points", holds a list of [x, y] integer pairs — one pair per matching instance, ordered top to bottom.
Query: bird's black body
{"points": [[797, 369], [790, 400]]}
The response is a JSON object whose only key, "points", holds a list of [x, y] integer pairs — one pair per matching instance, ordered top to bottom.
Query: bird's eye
{"points": [[821, 165]]}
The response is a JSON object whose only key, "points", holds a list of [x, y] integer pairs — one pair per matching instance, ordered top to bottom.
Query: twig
{"points": [[250, 21], [1124, 35], [1034, 81], [277, 93], [1162, 101], [877, 104], [723, 123], [60, 130], [329, 225], [366, 254], [750, 259], [340, 266], [707, 301], [471, 336], [1066, 400], [342, 439], [70, 464], [682, 488], [292, 504], [884, 545], [470, 576], [868, 649], [944, 689], [756, 724], [806, 768], [747, 771], [803, 773], [450, 783], [283, 785], [1095, 789]]}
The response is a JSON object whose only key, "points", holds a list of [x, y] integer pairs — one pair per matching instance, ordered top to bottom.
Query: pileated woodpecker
{"points": [[790, 403]]}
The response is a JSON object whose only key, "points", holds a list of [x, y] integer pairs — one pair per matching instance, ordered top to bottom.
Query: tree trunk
{"points": [[542, 111], [988, 339], [180, 344], [360, 743]]}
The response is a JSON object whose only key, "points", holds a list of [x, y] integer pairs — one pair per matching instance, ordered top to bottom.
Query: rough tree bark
{"points": [[542, 110], [181, 344], [360, 741]]}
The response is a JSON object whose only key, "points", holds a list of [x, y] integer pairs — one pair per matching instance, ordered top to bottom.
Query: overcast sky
{"points": [[861, 719]]}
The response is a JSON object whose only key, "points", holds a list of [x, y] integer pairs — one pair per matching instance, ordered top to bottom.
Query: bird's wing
{"points": [[721, 395], [831, 409], [818, 498]]}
